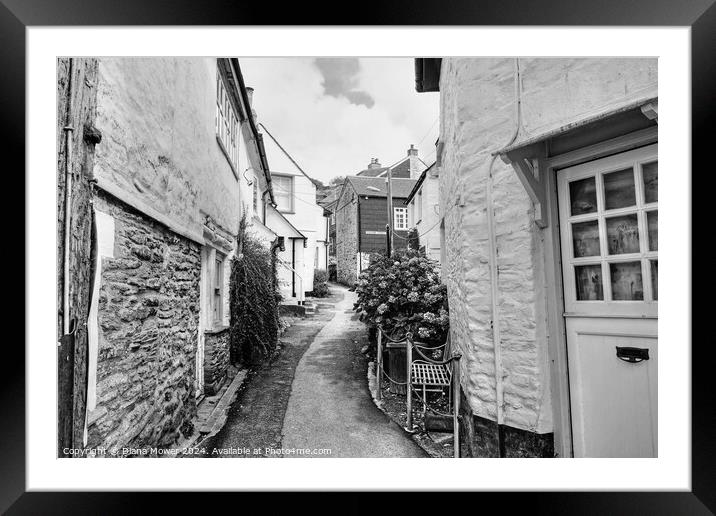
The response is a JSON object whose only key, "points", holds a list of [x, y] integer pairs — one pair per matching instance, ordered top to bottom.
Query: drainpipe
{"points": [[69, 131], [263, 207], [293, 268], [494, 273]]}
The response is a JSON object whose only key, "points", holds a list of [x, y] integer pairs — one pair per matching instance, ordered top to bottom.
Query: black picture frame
{"points": [[16, 15]]}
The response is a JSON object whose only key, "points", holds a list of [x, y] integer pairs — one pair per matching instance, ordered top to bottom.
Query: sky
{"points": [[334, 114]]}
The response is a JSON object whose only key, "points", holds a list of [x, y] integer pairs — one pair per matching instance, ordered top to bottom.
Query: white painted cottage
{"points": [[548, 174], [424, 212], [299, 219]]}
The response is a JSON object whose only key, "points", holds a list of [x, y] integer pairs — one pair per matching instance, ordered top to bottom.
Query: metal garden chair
{"points": [[428, 374]]}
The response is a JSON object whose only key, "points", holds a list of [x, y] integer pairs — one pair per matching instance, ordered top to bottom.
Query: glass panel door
{"points": [[609, 219]]}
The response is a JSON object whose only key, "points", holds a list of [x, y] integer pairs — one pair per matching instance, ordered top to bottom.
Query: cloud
{"points": [[340, 79], [327, 135]]}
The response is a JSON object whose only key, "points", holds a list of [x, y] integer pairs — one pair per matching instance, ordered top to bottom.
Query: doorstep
{"points": [[211, 412]]}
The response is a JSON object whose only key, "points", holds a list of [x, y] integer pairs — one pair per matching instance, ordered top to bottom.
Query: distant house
{"points": [[409, 167], [329, 203], [424, 212], [362, 214], [298, 218]]}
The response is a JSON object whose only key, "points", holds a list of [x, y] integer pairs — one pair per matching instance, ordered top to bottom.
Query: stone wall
{"points": [[477, 118], [347, 237], [148, 317], [216, 359]]}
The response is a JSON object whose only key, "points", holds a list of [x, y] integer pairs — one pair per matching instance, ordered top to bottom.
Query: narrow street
{"points": [[314, 396]]}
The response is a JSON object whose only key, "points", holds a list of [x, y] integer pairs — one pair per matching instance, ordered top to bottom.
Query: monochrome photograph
{"points": [[357, 257]]}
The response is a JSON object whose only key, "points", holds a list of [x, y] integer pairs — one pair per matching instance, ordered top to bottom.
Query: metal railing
{"points": [[453, 361]]}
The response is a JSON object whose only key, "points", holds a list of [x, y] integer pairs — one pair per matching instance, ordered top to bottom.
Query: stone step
{"points": [[292, 309]]}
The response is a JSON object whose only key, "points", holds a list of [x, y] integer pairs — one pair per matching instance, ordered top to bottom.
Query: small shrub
{"points": [[413, 239], [320, 283], [403, 293], [254, 300]]}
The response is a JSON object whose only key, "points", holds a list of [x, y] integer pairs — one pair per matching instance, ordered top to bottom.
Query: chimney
{"points": [[250, 94], [374, 163], [416, 166]]}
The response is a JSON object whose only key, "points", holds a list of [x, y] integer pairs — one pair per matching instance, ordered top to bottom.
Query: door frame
{"points": [[547, 167]]}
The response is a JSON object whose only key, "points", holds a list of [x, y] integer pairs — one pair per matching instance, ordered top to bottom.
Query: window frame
{"points": [[227, 124], [635, 158], [291, 179], [403, 212], [217, 291]]}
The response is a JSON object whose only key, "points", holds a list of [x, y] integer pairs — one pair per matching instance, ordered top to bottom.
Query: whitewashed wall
{"points": [[477, 105]]}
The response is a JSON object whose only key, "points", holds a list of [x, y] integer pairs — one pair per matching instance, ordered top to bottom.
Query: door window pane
{"points": [[650, 173], [619, 189], [583, 196], [652, 223], [623, 234], [585, 237], [655, 279], [626, 281], [589, 282]]}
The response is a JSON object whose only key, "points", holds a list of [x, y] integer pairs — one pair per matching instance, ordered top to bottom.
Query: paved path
{"points": [[313, 395], [330, 405]]}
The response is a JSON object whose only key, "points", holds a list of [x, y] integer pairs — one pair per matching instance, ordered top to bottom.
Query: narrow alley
{"points": [[312, 400]]}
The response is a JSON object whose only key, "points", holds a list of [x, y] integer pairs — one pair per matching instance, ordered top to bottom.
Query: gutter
{"points": [[234, 62], [287, 154], [415, 189]]}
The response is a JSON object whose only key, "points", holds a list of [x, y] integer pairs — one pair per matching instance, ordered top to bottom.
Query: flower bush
{"points": [[402, 293]]}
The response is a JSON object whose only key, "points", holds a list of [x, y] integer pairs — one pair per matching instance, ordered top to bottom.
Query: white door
{"points": [[609, 236]]}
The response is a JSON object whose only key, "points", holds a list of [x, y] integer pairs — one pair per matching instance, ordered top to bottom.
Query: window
{"points": [[227, 123], [283, 192], [400, 218], [613, 230], [218, 289]]}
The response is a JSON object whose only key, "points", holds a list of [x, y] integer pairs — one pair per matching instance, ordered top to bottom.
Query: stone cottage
{"points": [[178, 162], [548, 175]]}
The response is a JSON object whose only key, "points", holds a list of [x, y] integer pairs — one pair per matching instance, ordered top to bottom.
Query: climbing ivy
{"points": [[254, 300]]}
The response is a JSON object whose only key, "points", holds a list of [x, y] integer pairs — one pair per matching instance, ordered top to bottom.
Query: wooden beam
{"points": [[651, 111], [78, 113], [534, 185]]}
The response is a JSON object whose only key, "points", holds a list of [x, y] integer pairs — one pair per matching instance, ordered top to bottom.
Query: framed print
{"points": [[436, 237]]}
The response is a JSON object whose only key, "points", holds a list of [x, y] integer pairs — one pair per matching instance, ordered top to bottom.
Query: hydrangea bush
{"points": [[403, 293]]}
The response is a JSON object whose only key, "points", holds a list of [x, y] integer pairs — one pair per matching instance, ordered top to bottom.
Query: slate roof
{"points": [[372, 172], [400, 187]]}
